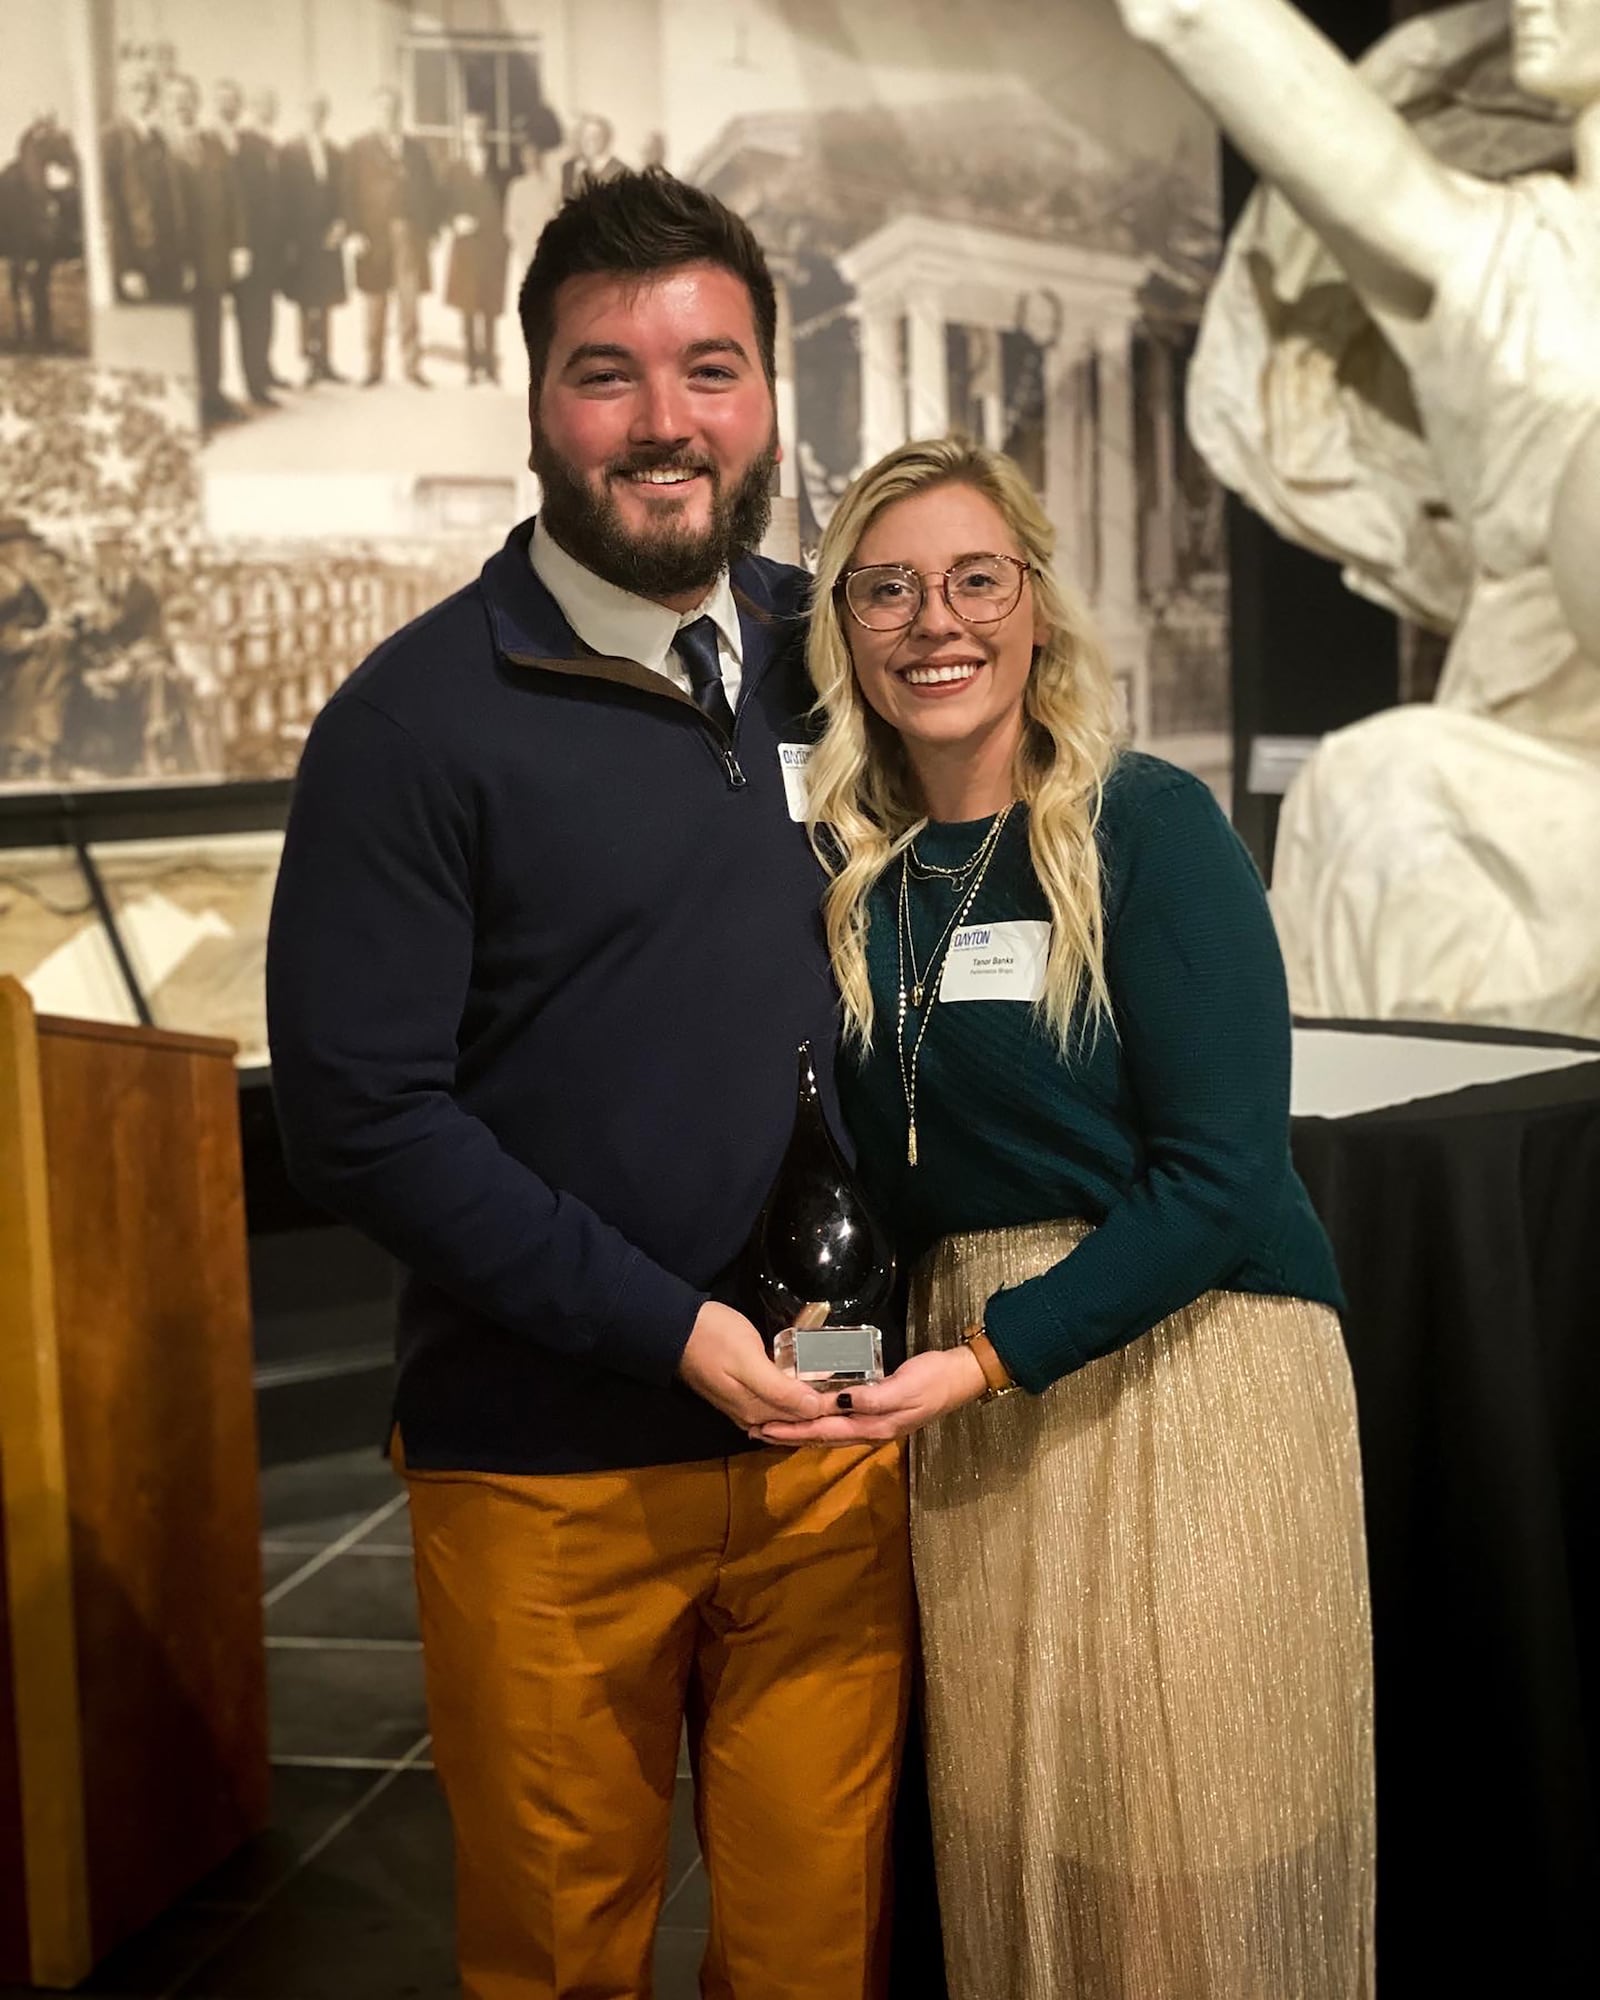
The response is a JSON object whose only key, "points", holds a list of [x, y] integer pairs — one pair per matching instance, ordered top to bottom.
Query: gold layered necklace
{"points": [[966, 880]]}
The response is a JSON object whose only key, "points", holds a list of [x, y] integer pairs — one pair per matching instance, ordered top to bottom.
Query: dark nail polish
{"points": [[844, 1399]]}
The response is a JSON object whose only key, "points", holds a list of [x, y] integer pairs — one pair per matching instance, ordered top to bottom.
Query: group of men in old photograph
{"points": [[202, 209], [199, 211], [42, 305], [102, 665]]}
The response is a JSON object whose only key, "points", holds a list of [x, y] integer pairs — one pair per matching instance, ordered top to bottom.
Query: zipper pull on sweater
{"points": [[736, 777]]}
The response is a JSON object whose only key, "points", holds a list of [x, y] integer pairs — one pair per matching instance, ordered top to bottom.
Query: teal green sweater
{"points": [[1171, 1133]]}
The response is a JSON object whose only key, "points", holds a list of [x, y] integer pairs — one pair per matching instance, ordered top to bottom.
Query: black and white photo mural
{"points": [[43, 306], [268, 401]]}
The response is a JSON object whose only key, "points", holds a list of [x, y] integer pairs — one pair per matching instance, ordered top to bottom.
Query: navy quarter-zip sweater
{"points": [[543, 946]]}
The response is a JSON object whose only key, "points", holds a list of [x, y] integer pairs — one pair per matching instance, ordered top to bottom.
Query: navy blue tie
{"points": [[697, 648]]}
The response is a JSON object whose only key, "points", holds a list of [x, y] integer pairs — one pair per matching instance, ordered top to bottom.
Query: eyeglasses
{"points": [[980, 590]]}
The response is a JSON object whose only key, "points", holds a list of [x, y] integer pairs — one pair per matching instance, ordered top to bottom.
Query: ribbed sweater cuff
{"points": [[1030, 1339]]}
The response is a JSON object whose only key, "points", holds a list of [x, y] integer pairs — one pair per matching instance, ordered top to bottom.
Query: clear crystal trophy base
{"points": [[830, 1356]]}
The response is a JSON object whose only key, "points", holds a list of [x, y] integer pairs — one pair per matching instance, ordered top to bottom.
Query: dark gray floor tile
{"points": [[318, 1291], [298, 1418], [322, 1498], [395, 1533], [276, 1564], [352, 1597], [334, 1702], [305, 1804], [683, 1848], [688, 1904], [369, 1918], [678, 1956], [152, 1963]]}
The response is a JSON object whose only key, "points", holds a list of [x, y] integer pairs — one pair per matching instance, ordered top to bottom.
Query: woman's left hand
{"points": [[918, 1391]]}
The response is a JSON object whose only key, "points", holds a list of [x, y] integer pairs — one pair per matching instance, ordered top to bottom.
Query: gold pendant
{"points": [[916, 996], [911, 1143]]}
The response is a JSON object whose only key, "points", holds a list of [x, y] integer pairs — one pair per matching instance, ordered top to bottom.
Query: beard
{"points": [[671, 561]]}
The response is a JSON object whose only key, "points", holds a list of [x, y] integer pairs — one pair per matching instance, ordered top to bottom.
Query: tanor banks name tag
{"points": [[792, 761], [996, 962]]}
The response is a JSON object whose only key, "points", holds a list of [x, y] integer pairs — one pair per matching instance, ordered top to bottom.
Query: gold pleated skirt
{"points": [[1148, 1654]]}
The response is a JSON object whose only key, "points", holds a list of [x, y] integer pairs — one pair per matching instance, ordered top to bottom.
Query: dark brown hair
{"points": [[635, 225]]}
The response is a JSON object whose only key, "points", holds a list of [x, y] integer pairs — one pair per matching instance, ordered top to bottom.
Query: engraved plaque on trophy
{"points": [[821, 1257]]}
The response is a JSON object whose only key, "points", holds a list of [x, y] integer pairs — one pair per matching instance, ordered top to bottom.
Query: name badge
{"points": [[792, 761], [996, 962]]}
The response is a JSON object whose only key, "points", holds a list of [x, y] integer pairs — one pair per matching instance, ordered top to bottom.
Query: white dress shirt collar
{"points": [[615, 622]]}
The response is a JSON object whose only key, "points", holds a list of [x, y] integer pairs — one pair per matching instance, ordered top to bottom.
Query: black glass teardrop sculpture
{"points": [[817, 1240]]}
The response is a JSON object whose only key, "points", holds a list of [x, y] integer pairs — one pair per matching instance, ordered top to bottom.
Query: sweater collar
{"points": [[616, 622], [530, 629]]}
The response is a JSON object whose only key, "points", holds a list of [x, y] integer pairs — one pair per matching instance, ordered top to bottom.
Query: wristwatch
{"points": [[996, 1376]]}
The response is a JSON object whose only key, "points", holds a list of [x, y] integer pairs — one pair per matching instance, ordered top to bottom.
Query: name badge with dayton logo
{"points": [[792, 761], [996, 962]]}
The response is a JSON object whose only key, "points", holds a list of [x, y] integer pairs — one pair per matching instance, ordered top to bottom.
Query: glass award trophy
{"points": [[821, 1259]]}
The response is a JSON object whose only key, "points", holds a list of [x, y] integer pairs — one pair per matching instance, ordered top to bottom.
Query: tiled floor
{"points": [[347, 1896]]}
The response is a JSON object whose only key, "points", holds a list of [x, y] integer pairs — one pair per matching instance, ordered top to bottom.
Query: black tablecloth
{"points": [[1467, 1229]]}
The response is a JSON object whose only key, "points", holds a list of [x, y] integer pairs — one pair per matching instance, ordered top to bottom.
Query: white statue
{"points": [[1401, 367], [1575, 542]]}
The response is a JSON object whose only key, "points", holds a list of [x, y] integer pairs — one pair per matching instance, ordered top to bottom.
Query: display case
{"points": [[144, 907]]}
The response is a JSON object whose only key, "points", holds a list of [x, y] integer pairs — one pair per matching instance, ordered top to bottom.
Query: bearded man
{"points": [[546, 938]]}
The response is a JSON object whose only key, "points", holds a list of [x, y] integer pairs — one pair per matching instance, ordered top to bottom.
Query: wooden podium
{"points": [[133, 1714]]}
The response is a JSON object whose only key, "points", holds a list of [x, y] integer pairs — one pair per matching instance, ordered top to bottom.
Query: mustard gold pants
{"points": [[572, 1621]]}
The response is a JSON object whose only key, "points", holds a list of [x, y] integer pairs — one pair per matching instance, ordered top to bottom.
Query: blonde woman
{"points": [[1142, 1577]]}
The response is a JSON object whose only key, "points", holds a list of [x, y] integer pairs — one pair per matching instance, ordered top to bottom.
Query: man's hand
{"points": [[726, 1363], [920, 1390]]}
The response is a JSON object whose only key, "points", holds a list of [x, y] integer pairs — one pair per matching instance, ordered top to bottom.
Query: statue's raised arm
{"points": [[1355, 171]]}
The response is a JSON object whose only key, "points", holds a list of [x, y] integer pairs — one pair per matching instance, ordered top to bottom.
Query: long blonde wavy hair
{"points": [[864, 809]]}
